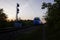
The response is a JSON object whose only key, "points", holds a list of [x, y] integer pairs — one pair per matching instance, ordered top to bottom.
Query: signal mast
{"points": [[17, 11]]}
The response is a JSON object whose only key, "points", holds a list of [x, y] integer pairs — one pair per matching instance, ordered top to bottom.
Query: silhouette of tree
{"points": [[3, 18], [53, 18]]}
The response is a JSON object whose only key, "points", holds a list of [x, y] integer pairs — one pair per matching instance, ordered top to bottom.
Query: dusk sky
{"points": [[28, 8]]}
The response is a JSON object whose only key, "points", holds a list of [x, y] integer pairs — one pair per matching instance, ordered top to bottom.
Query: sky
{"points": [[29, 9]]}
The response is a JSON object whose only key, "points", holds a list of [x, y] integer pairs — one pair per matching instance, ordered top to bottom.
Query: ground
{"points": [[28, 33]]}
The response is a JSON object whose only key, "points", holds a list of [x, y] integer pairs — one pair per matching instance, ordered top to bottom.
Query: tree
{"points": [[53, 14], [53, 17], [3, 18]]}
